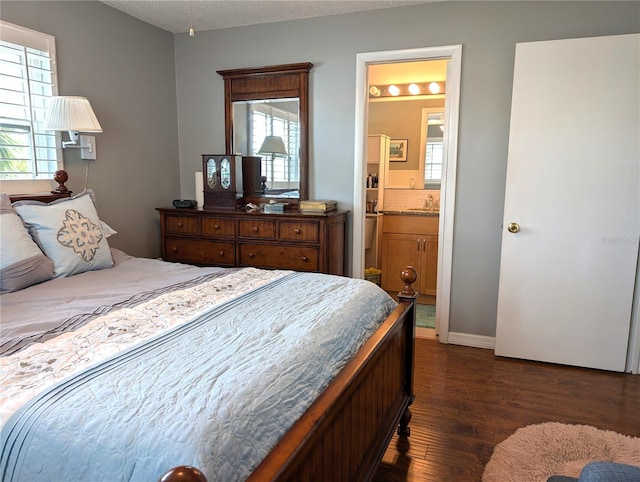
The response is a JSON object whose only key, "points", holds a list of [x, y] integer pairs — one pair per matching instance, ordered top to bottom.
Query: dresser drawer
{"points": [[180, 224], [218, 226], [256, 228], [301, 231], [200, 252], [279, 257]]}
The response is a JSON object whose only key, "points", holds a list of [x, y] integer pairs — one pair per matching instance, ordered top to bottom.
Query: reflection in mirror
{"points": [[270, 129], [432, 147], [211, 173], [225, 173]]}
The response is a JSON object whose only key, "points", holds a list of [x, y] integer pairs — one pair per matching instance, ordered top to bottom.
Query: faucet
{"points": [[428, 203]]}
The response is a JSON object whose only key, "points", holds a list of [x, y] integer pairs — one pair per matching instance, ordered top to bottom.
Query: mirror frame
{"points": [[271, 82]]}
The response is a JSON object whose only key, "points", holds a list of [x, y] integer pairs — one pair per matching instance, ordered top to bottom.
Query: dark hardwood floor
{"points": [[468, 400]]}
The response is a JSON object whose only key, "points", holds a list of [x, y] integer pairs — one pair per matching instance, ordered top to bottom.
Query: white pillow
{"points": [[69, 232], [22, 263]]}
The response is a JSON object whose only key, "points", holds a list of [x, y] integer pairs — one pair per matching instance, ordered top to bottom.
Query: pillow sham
{"points": [[107, 230], [69, 232], [22, 263]]}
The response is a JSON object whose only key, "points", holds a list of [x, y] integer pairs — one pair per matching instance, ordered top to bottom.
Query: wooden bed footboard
{"points": [[345, 432]]}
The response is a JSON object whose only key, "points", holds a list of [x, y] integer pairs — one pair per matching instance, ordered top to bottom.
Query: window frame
{"points": [[30, 39], [424, 140]]}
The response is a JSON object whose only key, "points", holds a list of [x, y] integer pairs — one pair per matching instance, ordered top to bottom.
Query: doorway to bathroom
{"points": [[403, 188]]}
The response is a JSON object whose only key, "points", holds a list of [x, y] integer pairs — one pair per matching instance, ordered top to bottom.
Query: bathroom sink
{"points": [[422, 210]]}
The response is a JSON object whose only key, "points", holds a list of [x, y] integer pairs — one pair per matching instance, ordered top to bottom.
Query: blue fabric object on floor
{"points": [[603, 472]]}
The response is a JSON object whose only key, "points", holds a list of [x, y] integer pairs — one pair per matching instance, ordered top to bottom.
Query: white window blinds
{"points": [[27, 83], [282, 172]]}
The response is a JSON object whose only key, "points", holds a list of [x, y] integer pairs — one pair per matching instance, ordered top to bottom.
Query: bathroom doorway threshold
{"points": [[428, 333]]}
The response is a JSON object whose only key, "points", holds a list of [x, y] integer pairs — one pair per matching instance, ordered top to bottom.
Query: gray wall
{"points": [[488, 32], [125, 68]]}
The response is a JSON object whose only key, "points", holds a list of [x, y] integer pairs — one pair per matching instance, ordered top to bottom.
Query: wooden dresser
{"points": [[300, 242]]}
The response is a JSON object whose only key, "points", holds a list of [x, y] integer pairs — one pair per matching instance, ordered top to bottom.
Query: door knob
{"points": [[513, 228]]}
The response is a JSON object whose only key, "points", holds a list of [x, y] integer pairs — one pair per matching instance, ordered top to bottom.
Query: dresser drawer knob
{"points": [[179, 224], [216, 226], [255, 229], [297, 230], [174, 249], [221, 253], [251, 255], [305, 259]]}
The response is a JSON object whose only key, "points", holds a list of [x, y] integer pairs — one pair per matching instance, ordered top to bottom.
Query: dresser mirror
{"points": [[267, 115]]}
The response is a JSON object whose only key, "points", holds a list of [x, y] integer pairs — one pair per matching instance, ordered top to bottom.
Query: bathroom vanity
{"points": [[410, 238]]}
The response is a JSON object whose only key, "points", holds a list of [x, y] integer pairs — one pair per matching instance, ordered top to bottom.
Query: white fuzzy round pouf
{"points": [[536, 452]]}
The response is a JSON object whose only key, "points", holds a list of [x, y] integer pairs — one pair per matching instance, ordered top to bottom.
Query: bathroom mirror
{"points": [[268, 102]]}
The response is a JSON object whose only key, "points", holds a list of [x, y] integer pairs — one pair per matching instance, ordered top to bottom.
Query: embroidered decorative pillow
{"points": [[69, 232], [22, 263]]}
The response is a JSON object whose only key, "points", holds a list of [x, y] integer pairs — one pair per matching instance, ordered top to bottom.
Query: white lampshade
{"points": [[70, 113], [273, 145]]}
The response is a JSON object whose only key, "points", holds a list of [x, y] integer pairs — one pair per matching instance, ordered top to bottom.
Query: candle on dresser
{"points": [[199, 190]]}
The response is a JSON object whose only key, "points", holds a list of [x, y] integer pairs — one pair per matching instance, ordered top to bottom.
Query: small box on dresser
{"points": [[222, 181], [319, 206]]}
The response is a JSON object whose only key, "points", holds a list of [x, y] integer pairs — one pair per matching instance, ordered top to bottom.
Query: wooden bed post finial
{"points": [[61, 177], [408, 276], [183, 473]]}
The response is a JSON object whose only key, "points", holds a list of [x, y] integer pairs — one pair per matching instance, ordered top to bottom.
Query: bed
{"points": [[143, 370]]}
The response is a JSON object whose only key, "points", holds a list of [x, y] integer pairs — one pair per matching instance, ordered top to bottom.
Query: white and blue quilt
{"points": [[216, 391]]}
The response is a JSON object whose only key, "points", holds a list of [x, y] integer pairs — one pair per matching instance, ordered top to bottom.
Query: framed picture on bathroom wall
{"points": [[398, 150]]}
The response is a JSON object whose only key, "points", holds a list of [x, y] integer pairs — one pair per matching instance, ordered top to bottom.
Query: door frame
{"points": [[448, 184]]}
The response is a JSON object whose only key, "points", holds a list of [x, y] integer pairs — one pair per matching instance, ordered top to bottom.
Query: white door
{"points": [[573, 187]]}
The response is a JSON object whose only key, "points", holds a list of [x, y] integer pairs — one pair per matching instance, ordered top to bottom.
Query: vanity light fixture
{"points": [[406, 90]]}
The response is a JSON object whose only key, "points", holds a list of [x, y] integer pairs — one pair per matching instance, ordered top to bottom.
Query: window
{"points": [[27, 83], [432, 146], [433, 160], [282, 172]]}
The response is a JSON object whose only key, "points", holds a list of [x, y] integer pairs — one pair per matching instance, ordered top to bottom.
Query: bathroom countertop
{"points": [[410, 212]]}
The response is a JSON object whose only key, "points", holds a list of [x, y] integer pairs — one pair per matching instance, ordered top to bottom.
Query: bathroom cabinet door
{"points": [[572, 207], [410, 241], [417, 250], [398, 251]]}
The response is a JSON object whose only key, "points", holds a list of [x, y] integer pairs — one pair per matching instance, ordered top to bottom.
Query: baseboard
{"points": [[476, 341]]}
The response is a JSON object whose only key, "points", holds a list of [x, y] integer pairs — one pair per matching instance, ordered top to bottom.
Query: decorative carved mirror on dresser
{"points": [[267, 102]]}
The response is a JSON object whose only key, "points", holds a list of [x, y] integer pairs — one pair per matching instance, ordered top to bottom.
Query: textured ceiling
{"points": [[175, 15]]}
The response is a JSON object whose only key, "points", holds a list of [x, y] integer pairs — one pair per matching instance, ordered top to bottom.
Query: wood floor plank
{"points": [[468, 400]]}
